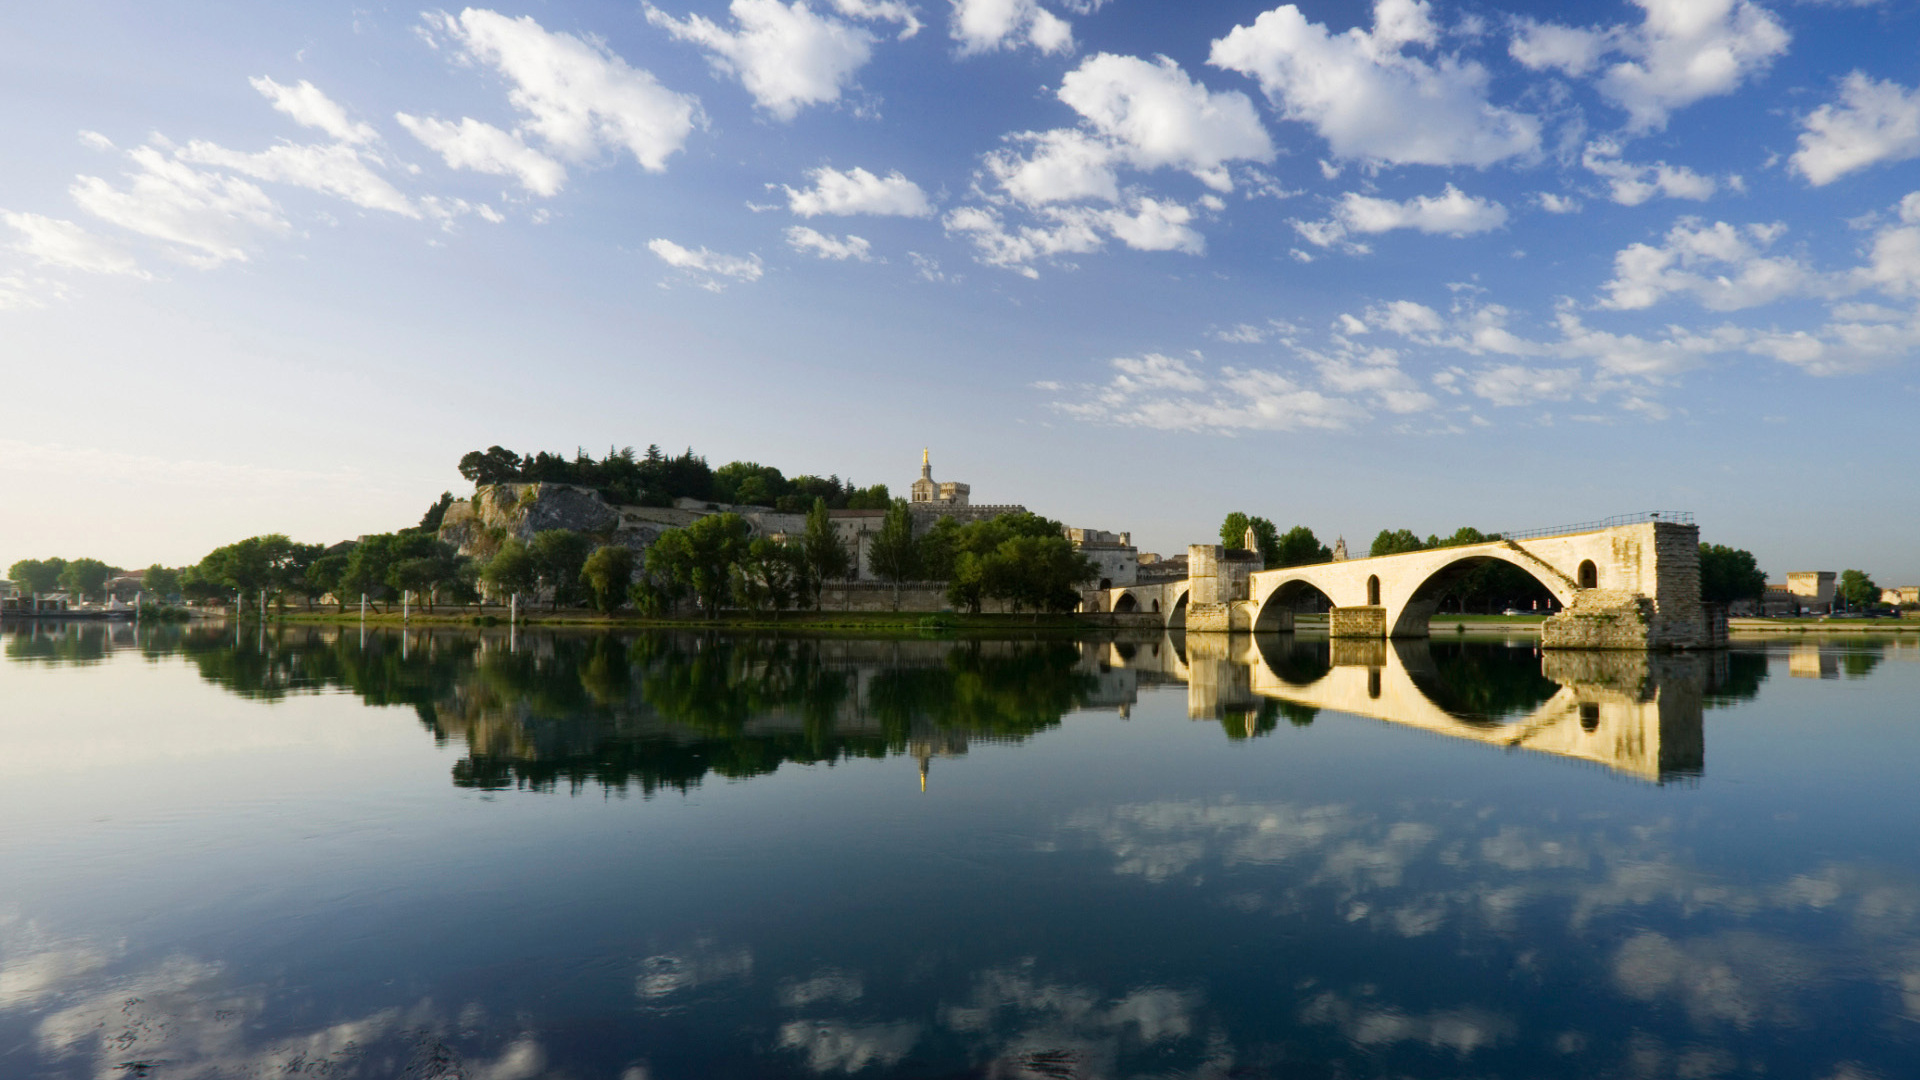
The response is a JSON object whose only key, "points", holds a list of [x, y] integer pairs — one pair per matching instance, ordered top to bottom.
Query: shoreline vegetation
{"points": [[961, 622]]}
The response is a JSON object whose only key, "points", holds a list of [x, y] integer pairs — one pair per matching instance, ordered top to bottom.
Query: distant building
{"points": [[928, 493], [930, 500], [1340, 550], [1113, 553], [1806, 592], [1901, 595]]}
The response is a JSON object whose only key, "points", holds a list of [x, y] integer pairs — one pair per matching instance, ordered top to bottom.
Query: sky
{"points": [[1132, 264]]}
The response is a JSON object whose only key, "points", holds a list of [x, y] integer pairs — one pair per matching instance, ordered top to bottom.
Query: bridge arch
{"points": [[1127, 604], [1276, 609], [1417, 610]]}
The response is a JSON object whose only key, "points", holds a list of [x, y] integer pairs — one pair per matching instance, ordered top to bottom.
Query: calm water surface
{"points": [[253, 853]]}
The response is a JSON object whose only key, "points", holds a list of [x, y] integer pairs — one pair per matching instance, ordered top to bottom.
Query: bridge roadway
{"points": [[1628, 586]]}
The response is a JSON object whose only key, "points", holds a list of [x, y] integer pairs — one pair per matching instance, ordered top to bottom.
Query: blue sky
{"points": [[1133, 264]]}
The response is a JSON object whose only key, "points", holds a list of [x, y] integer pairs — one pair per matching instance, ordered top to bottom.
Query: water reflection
{"points": [[665, 710]]}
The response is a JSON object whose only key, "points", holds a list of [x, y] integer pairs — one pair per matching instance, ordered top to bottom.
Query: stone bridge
{"points": [[1628, 585]]}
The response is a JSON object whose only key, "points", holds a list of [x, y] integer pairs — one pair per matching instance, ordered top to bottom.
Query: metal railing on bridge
{"points": [[1677, 517]]}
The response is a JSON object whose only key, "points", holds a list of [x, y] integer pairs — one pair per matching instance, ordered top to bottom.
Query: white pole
{"points": [[406, 605], [363, 609]]}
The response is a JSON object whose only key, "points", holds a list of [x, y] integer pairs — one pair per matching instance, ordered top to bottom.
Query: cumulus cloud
{"points": [[881, 11], [982, 26], [1682, 51], [786, 55], [578, 97], [1370, 97], [311, 108], [1162, 118], [1874, 121], [481, 147], [1064, 165], [336, 169], [1630, 185], [858, 191], [1450, 213], [207, 218], [1143, 223], [53, 242], [811, 242], [1723, 267], [707, 268], [1514, 384], [1159, 391]]}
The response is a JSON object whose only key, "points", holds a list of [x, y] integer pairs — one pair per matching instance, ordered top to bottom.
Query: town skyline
{"points": [[274, 271]]}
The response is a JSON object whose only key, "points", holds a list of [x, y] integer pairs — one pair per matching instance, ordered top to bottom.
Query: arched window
{"points": [[1589, 575], [1106, 583], [1373, 590], [1156, 609], [1373, 682]]}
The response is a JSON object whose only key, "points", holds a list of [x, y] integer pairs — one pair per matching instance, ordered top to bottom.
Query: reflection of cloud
{"points": [[1160, 840], [668, 974], [33, 977], [1731, 978], [829, 986], [183, 1014], [1042, 1028], [1461, 1030], [835, 1046]]}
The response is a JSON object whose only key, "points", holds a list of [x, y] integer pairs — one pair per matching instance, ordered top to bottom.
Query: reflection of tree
{"points": [[68, 643], [1857, 663], [1734, 680], [1481, 684], [657, 710]]}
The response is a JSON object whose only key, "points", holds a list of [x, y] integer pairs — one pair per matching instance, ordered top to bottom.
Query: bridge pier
{"points": [[1360, 621]]}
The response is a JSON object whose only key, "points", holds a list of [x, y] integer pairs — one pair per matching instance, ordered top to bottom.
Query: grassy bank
{"points": [[865, 623]]}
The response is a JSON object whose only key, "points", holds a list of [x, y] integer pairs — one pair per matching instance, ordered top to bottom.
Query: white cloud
{"points": [[881, 11], [987, 25], [1544, 46], [1682, 51], [786, 55], [578, 95], [1371, 100], [311, 108], [1164, 119], [1873, 122], [473, 144], [1065, 165], [332, 168], [1630, 185], [858, 191], [1557, 204], [1450, 213], [207, 216], [1155, 225], [1069, 231], [52, 242], [811, 242], [706, 267], [1722, 267], [1513, 384], [837, 1046]]}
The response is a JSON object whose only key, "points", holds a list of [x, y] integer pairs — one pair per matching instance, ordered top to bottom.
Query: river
{"points": [[316, 851]]}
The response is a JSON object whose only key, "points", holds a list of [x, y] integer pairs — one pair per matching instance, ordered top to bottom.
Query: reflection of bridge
{"points": [[1623, 586], [1637, 713]]}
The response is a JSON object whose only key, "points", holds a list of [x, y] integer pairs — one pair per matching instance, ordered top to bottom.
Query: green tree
{"points": [[496, 465], [430, 521], [1233, 534], [1395, 542], [1299, 547], [559, 554], [894, 554], [827, 557], [700, 559], [256, 564], [369, 566], [511, 570], [608, 573], [1728, 574], [37, 575], [325, 575], [771, 575], [86, 577], [160, 582], [1858, 590]]}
